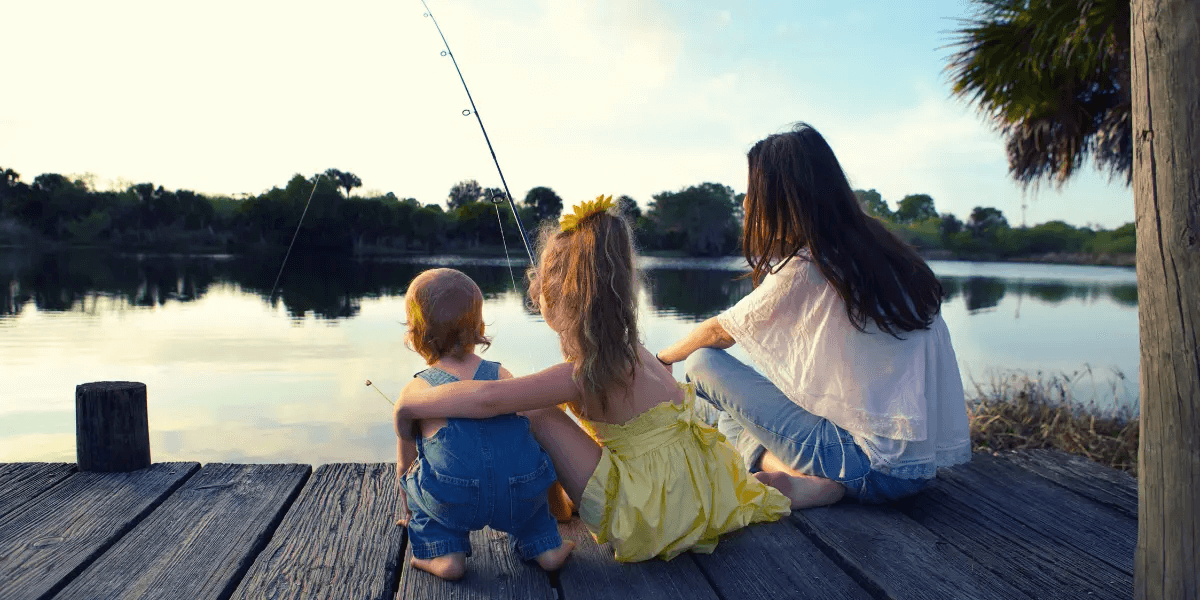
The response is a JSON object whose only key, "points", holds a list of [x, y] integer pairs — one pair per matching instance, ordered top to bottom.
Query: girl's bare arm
{"points": [[482, 399]]}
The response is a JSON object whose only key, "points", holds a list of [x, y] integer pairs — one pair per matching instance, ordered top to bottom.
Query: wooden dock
{"points": [[1035, 524]]}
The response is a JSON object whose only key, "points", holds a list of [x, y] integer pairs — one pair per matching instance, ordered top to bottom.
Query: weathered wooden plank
{"points": [[1081, 475], [22, 482], [1100, 531], [49, 540], [338, 540], [200, 541], [894, 557], [775, 560], [1037, 564], [493, 571], [591, 573]]}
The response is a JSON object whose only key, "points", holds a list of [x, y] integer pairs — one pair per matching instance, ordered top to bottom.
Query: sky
{"points": [[635, 97]]}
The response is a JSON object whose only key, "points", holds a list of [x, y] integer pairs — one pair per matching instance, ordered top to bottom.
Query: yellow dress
{"points": [[668, 482]]}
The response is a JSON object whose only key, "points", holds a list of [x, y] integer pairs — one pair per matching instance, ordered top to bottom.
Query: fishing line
{"points": [[473, 110], [289, 250], [507, 258]]}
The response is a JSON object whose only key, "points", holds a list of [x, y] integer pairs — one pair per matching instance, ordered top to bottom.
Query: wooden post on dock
{"points": [[1166, 187], [112, 432]]}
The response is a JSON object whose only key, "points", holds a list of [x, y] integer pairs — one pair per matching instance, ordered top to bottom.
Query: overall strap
{"points": [[488, 370], [435, 376]]}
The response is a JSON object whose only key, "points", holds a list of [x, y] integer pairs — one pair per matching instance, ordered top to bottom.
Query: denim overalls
{"points": [[477, 472]]}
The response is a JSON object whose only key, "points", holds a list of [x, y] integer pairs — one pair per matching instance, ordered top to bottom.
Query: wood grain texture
{"points": [[1165, 53], [112, 431], [1085, 477], [22, 482], [1102, 532], [49, 540], [338, 540], [200, 541], [1022, 555], [894, 557], [775, 560], [493, 571], [593, 574]]}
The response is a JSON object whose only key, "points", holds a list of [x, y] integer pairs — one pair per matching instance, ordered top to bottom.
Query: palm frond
{"points": [[1053, 77]]}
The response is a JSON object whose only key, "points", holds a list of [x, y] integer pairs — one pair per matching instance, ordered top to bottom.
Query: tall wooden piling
{"points": [[112, 432]]}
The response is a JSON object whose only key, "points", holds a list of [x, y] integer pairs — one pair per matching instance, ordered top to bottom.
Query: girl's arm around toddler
{"points": [[483, 399]]}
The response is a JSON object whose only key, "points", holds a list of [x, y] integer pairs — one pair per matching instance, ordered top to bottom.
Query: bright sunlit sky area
{"points": [[629, 97]]}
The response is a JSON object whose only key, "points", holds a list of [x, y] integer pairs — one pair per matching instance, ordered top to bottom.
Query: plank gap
{"points": [[22, 483], [121, 532], [86, 539], [264, 540], [704, 573], [859, 576]]}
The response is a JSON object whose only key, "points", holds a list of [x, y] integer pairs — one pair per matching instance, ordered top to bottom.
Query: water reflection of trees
{"points": [[64, 281], [329, 287], [333, 287], [694, 293], [983, 293]]}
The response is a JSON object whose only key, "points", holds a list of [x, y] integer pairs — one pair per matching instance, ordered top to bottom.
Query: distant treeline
{"points": [[700, 220], [987, 233]]}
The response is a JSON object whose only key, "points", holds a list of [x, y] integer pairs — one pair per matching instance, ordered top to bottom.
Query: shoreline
{"points": [[1057, 258], [1062, 258]]}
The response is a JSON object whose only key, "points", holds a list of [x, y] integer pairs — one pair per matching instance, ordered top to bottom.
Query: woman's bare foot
{"points": [[805, 491], [552, 560], [448, 566]]}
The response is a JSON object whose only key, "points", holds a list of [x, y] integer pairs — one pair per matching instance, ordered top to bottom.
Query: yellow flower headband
{"points": [[586, 209]]}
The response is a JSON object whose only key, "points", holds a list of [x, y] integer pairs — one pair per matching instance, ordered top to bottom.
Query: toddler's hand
{"points": [[403, 515]]}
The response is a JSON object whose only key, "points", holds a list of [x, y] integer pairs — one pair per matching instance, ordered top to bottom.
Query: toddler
{"points": [[458, 475]]}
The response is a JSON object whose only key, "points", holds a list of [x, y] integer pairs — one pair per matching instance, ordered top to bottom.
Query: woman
{"points": [[860, 393]]}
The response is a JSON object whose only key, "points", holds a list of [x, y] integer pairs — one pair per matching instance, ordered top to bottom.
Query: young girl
{"points": [[466, 473], [646, 474]]}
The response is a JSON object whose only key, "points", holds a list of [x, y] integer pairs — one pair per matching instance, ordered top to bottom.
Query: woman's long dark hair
{"points": [[798, 197]]}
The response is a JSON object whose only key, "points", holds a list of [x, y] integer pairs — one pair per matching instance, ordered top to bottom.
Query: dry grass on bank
{"points": [[1016, 411]]}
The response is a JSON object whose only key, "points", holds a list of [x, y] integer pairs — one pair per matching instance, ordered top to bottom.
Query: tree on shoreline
{"points": [[344, 179], [148, 216]]}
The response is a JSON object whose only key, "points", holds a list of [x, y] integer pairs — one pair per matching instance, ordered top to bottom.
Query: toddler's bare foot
{"points": [[805, 491], [552, 560], [448, 566]]}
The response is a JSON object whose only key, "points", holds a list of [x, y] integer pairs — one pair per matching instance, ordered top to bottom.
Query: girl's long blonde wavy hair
{"points": [[588, 284]]}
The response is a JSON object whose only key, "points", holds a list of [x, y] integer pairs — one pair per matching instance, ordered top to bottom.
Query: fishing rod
{"points": [[473, 110], [293, 243]]}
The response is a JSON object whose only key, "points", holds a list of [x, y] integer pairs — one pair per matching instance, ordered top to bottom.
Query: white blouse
{"points": [[901, 399]]}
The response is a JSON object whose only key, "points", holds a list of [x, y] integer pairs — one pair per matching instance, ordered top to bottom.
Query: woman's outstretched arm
{"points": [[709, 334], [482, 399]]}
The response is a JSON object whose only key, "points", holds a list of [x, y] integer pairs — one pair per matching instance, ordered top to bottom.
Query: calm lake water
{"points": [[233, 376]]}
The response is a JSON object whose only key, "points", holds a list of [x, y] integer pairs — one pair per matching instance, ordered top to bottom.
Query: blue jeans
{"points": [[756, 416], [477, 472]]}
